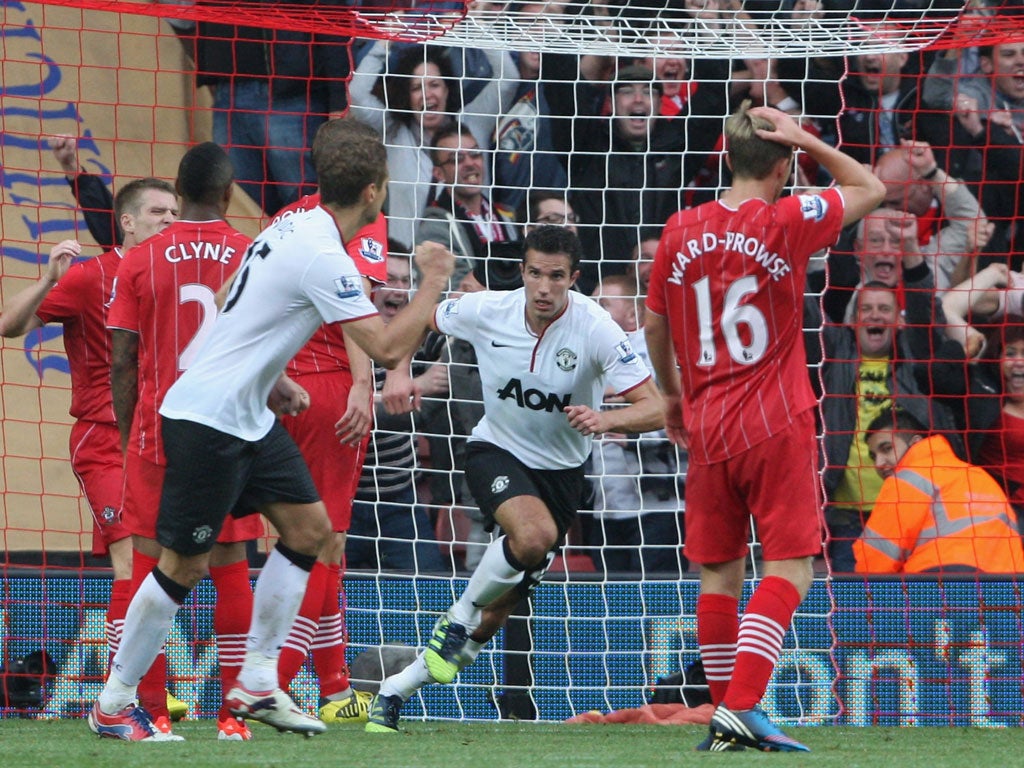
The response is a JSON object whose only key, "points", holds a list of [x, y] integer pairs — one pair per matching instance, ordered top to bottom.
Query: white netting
{"points": [[730, 34]]}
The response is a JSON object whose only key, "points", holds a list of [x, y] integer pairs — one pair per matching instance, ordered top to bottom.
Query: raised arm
{"points": [[495, 98], [363, 105], [862, 190], [94, 199], [976, 295], [390, 344]]}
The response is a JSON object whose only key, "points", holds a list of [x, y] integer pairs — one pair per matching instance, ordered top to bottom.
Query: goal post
{"points": [[117, 76]]}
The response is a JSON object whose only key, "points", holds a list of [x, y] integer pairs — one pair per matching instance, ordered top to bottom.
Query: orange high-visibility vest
{"points": [[938, 512]]}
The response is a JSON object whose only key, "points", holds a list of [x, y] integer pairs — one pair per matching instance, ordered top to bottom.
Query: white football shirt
{"points": [[295, 276], [528, 379]]}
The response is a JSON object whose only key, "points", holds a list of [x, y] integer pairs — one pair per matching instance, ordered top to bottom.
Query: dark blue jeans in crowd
{"points": [[268, 141], [393, 534], [651, 543]]}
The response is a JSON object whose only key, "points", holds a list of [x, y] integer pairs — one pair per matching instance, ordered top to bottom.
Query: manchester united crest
{"points": [[566, 359]]}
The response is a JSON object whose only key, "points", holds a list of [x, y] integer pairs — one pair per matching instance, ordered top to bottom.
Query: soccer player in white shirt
{"points": [[545, 354], [228, 454]]}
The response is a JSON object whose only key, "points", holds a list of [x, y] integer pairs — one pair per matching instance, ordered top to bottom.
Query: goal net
{"points": [[606, 116]]}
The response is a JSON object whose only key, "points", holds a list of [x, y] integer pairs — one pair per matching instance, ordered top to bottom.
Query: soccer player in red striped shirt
{"points": [[77, 296], [725, 304], [163, 308]]}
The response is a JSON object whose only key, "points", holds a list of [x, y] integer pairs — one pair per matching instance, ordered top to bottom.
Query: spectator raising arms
{"points": [[408, 105]]}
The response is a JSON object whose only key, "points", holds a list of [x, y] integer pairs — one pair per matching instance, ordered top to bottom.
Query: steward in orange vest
{"points": [[935, 513]]}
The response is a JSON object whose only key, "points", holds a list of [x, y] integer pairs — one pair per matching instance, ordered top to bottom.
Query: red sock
{"points": [[120, 596], [232, 614], [718, 624], [762, 629], [330, 641], [296, 647], [153, 687]]}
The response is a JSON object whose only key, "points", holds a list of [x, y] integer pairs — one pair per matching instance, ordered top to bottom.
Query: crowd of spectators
{"points": [[917, 309]]}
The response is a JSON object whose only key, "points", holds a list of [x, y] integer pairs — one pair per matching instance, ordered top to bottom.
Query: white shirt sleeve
{"points": [[335, 287], [458, 317], [623, 368]]}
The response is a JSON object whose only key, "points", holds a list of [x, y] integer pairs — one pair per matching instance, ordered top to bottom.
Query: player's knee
{"points": [[303, 528], [311, 534], [533, 550], [184, 570]]}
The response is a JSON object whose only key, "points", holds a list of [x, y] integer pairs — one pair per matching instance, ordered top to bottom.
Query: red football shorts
{"points": [[98, 463], [335, 467], [775, 482], [142, 505]]}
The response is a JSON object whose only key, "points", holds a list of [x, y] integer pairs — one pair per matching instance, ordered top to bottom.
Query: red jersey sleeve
{"points": [[811, 221], [369, 251], [659, 273], [65, 298]]}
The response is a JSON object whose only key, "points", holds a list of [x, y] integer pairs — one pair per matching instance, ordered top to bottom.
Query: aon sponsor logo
{"points": [[533, 399]]}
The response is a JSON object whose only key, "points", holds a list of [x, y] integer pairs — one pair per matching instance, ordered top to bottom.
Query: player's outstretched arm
{"points": [[862, 190], [18, 315], [390, 344]]}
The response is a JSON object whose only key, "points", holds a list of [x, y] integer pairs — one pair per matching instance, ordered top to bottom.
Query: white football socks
{"points": [[493, 577], [276, 600], [146, 626]]}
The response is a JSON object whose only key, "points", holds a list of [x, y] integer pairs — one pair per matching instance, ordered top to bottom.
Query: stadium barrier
{"points": [[953, 659]]}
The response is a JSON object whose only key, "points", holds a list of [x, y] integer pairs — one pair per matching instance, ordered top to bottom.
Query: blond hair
{"points": [[751, 156]]}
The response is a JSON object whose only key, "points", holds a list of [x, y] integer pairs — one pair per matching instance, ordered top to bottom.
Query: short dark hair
{"points": [[635, 73], [446, 131], [348, 156], [751, 156], [204, 174], [129, 197], [527, 211], [552, 239], [398, 248], [878, 285], [1008, 330], [898, 420]]}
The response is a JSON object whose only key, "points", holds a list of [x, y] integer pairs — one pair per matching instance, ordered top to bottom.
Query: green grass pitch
{"points": [[42, 744]]}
